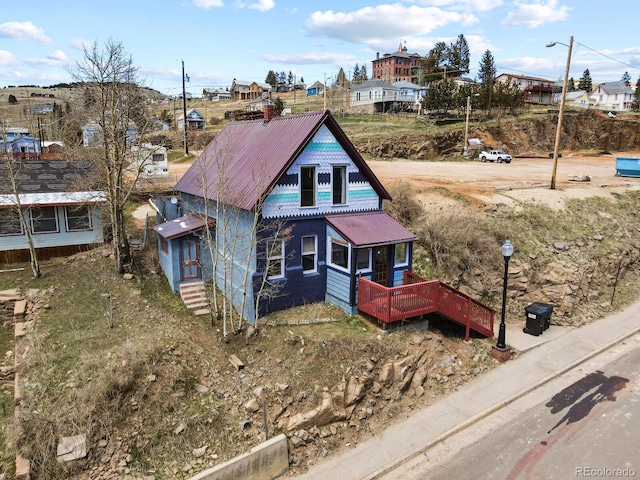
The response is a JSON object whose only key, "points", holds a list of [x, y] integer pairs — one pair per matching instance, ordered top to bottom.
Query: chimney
{"points": [[377, 55], [269, 112]]}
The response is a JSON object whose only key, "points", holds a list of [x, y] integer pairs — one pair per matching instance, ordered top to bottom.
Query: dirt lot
{"points": [[524, 180]]}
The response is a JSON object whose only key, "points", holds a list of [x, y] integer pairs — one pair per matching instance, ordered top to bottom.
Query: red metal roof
{"points": [[243, 162], [182, 226], [364, 229]]}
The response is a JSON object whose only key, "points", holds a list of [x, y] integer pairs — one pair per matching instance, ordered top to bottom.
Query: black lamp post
{"points": [[507, 251]]}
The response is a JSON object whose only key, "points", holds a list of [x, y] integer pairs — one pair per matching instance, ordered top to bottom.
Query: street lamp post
{"points": [[466, 124], [556, 148], [507, 251]]}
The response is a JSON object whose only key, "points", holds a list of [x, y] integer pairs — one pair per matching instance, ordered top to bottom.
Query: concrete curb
{"points": [[496, 407]]}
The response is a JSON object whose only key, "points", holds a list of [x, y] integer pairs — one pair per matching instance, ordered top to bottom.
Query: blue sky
{"points": [[220, 40]]}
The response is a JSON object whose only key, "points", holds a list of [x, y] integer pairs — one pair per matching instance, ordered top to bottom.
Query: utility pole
{"points": [[324, 91], [184, 112]]}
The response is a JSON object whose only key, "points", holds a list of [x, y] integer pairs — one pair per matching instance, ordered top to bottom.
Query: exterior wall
{"points": [[396, 68], [373, 95], [324, 151], [58, 239]]}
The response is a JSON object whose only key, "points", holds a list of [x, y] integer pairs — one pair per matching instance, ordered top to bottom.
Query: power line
{"points": [[607, 56]]}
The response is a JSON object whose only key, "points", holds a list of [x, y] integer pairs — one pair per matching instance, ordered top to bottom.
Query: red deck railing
{"points": [[418, 296]]}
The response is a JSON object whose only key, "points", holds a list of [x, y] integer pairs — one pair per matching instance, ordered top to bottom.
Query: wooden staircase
{"points": [[194, 296]]}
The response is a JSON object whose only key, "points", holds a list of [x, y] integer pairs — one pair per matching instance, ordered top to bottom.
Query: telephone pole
{"points": [[184, 112]]}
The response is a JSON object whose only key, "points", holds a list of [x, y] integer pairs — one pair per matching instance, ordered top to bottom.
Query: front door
{"points": [[190, 264], [381, 265]]}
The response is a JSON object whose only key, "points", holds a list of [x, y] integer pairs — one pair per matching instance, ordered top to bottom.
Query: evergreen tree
{"points": [[457, 56], [356, 73], [363, 73], [487, 76], [271, 78], [290, 78], [626, 78], [341, 79], [585, 83], [571, 85], [12, 99], [635, 104], [278, 106]]}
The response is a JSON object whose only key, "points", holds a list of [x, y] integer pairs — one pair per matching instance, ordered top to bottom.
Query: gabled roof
{"points": [[375, 83], [406, 84], [613, 88], [242, 164]]}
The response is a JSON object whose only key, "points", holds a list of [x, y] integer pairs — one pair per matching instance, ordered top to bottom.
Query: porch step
{"points": [[194, 296]]}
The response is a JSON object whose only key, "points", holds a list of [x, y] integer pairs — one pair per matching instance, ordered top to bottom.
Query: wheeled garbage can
{"points": [[538, 318]]}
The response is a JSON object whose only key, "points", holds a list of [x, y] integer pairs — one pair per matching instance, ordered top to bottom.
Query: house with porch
{"points": [[372, 96], [613, 96], [195, 120], [62, 211], [281, 212]]}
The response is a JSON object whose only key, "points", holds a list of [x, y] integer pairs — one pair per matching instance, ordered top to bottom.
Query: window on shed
{"points": [[308, 186], [78, 218], [44, 220], [10, 222], [363, 259]]}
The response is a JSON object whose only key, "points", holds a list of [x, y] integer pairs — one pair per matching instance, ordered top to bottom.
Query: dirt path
{"points": [[524, 180]]}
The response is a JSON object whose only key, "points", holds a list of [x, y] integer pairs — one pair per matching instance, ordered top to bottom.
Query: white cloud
{"points": [[206, 4], [262, 5], [464, 5], [537, 13], [387, 21], [23, 31], [81, 44], [58, 56], [6, 58], [310, 58], [54, 59]]}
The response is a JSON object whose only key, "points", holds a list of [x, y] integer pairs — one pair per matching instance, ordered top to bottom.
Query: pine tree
{"points": [[487, 76], [271, 78], [626, 78], [341, 79], [585, 83], [571, 85], [635, 104]]}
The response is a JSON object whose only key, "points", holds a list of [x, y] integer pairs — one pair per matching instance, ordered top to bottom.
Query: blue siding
{"points": [[324, 152], [60, 238], [338, 289]]}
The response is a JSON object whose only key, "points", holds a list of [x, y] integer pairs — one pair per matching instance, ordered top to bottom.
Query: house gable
{"points": [[324, 152]]}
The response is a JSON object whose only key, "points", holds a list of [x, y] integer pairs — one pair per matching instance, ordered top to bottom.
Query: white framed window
{"points": [[339, 185], [308, 186], [78, 218], [44, 220], [10, 222], [309, 254], [339, 254], [401, 255], [275, 258], [363, 259]]}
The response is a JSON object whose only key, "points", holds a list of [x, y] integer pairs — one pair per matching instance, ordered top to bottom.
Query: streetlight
{"points": [[561, 114], [466, 125], [507, 251]]}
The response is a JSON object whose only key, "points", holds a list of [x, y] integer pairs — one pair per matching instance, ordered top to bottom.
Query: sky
{"points": [[41, 41]]}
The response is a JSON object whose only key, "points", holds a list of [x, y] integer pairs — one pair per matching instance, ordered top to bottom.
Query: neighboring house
{"points": [[397, 66], [316, 89], [534, 89], [244, 90], [216, 94], [409, 95], [372, 96], [616, 96], [575, 99], [258, 105], [42, 109], [195, 120], [159, 125], [11, 133], [92, 134], [21, 147], [150, 159], [288, 202], [64, 216]]}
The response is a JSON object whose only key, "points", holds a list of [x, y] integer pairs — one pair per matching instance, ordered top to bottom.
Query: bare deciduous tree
{"points": [[114, 101]]}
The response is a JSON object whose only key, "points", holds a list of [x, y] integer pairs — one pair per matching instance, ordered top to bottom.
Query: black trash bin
{"points": [[538, 318]]}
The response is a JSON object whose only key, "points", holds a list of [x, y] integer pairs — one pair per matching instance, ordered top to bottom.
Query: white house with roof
{"points": [[409, 93], [373, 96], [616, 96]]}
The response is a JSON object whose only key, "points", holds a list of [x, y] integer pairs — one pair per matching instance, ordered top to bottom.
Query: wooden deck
{"points": [[417, 297]]}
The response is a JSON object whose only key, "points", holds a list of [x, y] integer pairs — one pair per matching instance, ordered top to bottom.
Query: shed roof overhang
{"points": [[184, 225], [369, 229]]}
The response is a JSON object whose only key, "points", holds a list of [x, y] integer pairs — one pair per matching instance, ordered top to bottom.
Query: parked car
{"points": [[495, 155]]}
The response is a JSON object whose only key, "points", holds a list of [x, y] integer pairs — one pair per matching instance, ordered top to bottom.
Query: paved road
{"points": [[585, 424]]}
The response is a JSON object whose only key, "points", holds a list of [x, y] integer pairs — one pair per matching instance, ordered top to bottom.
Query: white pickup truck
{"points": [[495, 155]]}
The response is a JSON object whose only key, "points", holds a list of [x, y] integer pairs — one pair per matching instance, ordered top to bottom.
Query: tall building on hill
{"points": [[397, 66]]}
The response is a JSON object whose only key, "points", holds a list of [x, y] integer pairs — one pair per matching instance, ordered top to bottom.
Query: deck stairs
{"points": [[194, 296]]}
